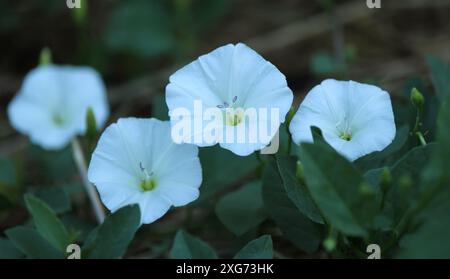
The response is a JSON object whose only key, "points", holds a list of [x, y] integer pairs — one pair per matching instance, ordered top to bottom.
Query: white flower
{"points": [[233, 79], [51, 105], [356, 119], [136, 162]]}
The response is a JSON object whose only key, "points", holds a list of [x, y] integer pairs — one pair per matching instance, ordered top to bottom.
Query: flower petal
{"points": [[153, 206]]}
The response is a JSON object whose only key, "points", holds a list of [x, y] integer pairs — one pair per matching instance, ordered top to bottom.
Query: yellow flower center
{"points": [[234, 117], [346, 136], [148, 184]]}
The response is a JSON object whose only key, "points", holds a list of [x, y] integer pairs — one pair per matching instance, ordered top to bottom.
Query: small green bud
{"points": [[80, 14], [45, 58], [417, 98], [91, 124], [300, 171], [385, 179], [405, 182], [366, 190], [329, 244]]}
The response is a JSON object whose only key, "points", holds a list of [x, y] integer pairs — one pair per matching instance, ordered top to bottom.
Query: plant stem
{"points": [[416, 130], [421, 138], [289, 147], [80, 161]]}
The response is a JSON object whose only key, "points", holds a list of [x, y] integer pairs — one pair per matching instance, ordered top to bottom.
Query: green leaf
{"points": [[141, 27], [440, 75], [387, 156], [412, 163], [222, 168], [438, 170], [335, 186], [296, 191], [56, 197], [398, 199], [243, 209], [47, 223], [78, 226], [296, 227], [431, 237], [111, 239], [431, 240], [32, 244], [186, 246], [260, 248], [8, 250]]}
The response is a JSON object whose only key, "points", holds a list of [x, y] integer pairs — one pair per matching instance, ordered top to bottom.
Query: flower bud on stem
{"points": [[45, 58], [418, 102], [330, 242]]}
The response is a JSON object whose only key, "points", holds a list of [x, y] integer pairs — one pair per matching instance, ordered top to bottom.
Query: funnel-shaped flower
{"points": [[231, 96], [51, 106], [356, 119], [136, 162]]}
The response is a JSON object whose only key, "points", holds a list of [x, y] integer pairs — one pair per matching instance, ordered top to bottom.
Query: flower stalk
{"points": [[418, 101], [90, 190]]}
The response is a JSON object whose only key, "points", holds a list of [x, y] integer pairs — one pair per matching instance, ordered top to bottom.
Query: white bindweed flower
{"points": [[231, 96], [51, 105], [356, 119], [136, 162]]}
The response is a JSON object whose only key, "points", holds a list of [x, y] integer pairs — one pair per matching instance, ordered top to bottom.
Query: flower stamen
{"points": [[234, 117], [346, 136], [149, 182]]}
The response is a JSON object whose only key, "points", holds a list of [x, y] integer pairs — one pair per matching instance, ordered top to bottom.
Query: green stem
{"points": [[417, 124], [416, 131], [421, 138], [289, 147]]}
